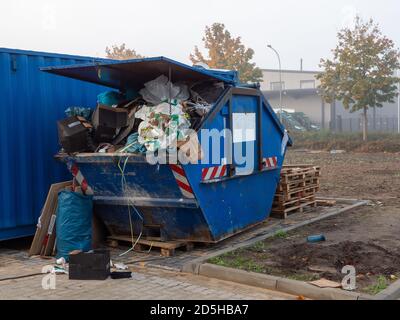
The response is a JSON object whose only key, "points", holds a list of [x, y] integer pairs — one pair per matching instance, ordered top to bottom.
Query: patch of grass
{"points": [[325, 140], [281, 234], [259, 246], [231, 260], [219, 261], [239, 262], [254, 267], [381, 284]]}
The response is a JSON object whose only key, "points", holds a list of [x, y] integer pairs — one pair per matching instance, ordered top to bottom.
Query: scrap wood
{"points": [[192, 149], [326, 202], [43, 239], [49, 242], [325, 283]]}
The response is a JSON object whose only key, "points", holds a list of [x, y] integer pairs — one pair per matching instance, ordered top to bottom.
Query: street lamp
{"points": [[280, 80]]}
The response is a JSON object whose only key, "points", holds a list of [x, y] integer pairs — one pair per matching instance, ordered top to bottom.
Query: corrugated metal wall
{"points": [[31, 102]]}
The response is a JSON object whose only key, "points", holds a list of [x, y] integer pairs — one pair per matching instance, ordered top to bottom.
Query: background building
{"points": [[301, 94]]}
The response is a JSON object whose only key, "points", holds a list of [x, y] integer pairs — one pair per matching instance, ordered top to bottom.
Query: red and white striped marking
{"points": [[270, 163], [213, 173], [77, 174], [182, 181], [50, 230]]}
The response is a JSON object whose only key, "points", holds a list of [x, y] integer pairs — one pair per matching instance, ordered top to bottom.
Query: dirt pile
{"points": [[367, 258]]}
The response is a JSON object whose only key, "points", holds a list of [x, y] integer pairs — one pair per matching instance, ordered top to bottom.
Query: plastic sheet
{"points": [[159, 90], [207, 92], [110, 98], [79, 111], [133, 145]]}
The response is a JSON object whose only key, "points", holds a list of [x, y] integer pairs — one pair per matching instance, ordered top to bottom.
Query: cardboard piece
{"points": [[43, 242], [325, 283]]}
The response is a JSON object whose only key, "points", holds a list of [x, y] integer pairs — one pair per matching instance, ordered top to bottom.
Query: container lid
{"points": [[133, 74]]}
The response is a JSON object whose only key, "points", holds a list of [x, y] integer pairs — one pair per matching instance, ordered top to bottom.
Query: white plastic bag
{"points": [[158, 91], [162, 126]]}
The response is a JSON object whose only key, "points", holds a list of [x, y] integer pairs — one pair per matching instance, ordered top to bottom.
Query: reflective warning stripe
{"points": [[271, 162], [213, 173], [77, 174], [182, 181]]}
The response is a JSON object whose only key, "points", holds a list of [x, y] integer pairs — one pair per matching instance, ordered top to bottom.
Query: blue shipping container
{"points": [[31, 102]]}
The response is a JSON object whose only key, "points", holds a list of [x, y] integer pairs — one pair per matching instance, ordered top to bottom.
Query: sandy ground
{"points": [[367, 238]]}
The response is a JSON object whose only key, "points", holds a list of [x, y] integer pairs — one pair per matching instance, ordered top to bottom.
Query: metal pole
{"points": [[280, 81], [398, 104]]}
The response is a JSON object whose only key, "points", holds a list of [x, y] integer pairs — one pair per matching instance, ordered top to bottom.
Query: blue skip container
{"points": [[190, 202]]}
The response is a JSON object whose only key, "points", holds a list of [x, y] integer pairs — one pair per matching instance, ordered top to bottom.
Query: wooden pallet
{"points": [[291, 176], [297, 183], [296, 190], [296, 193], [293, 203], [294, 206], [167, 248]]}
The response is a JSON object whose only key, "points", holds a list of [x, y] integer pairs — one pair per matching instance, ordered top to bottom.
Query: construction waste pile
{"points": [[159, 116], [297, 121]]}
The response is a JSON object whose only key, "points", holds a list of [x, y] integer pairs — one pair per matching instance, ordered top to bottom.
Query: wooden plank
{"points": [[290, 166], [300, 169], [294, 173], [300, 177], [283, 187], [296, 193], [294, 202], [326, 203], [291, 209], [40, 241], [157, 244], [167, 249]]}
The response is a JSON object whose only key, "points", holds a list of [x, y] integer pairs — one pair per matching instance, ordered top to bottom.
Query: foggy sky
{"points": [[297, 29]]}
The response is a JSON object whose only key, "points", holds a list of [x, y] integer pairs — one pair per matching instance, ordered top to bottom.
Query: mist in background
{"points": [[298, 29]]}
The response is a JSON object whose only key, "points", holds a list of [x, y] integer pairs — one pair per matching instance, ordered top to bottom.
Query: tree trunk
{"points": [[365, 125]]}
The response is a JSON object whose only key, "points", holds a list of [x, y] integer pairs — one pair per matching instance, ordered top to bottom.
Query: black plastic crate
{"points": [[90, 265]]}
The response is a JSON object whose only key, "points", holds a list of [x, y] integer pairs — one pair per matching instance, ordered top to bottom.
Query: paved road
{"points": [[147, 283]]}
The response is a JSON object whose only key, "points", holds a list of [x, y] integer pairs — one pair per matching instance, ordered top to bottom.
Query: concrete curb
{"points": [[193, 266], [198, 266], [264, 281], [390, 293]]}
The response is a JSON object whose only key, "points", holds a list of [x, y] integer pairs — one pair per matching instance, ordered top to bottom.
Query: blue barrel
{"points": [[192, 202]]}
